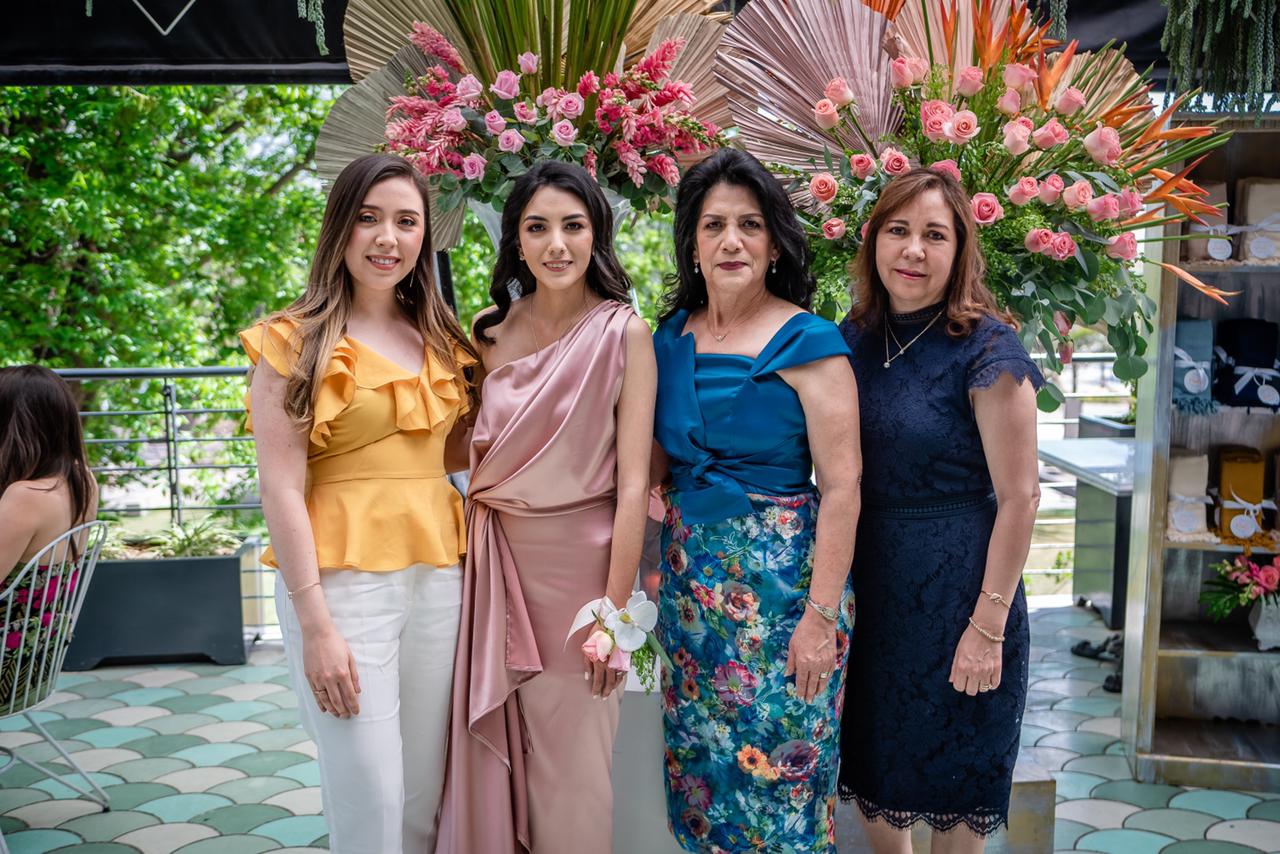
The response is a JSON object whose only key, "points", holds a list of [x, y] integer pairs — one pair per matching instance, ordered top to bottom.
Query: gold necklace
{"points": [[737, 321], [537, 347], [888, 360]]}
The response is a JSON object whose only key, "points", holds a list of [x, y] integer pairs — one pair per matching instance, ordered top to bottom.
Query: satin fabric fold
{"points": [[539, 526]]}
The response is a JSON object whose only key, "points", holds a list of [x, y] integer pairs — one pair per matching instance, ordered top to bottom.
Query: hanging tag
{"points": [[1261, 246], [1219, 248], [1196, 380], [1268, 395], [1188, 518], [1243, 526]]}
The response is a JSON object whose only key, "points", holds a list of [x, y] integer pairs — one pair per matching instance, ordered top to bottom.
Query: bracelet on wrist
{"points": [[298, 590], [998, 599], [826, 612], [994, 638]]}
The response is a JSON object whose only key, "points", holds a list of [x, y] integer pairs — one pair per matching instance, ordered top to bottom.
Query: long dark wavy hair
{"points": [[605, 276], [793, 281], [967, 297], [325, 306], [40, 434]]}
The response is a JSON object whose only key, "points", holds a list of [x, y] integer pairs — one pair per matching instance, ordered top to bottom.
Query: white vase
{"points": [[1264, 619]]}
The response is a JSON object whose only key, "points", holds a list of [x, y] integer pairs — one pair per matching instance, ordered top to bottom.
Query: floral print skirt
{"points": [[750, 766]]}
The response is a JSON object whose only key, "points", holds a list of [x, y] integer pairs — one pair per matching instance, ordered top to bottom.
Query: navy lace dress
{"points": [[912, 747]]}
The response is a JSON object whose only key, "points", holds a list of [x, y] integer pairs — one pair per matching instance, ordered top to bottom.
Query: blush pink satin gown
{"points": [[530, 749]]}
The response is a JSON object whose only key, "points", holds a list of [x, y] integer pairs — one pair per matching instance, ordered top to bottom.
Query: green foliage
{"points": [[1227, 48], [184, 539]]}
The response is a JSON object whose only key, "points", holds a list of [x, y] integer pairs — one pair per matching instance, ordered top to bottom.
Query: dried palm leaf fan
{"points": [[649, 18], [375, 29], [941, 30], [775, 60], [696, 65], [1109, 83], [355, 126]]}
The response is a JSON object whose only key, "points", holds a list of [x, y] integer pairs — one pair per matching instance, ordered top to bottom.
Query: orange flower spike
{"points": [[1047, 79], [1157, 125], [1208, 290]]}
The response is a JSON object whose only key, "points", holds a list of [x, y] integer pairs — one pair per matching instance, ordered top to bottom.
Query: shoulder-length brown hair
{"points": [[967, 296], [324, 308]]}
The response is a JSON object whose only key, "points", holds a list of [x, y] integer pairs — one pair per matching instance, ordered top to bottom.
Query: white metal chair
{"points": [[40, 604]]}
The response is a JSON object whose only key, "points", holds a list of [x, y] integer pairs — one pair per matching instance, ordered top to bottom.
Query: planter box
{"points": [[1097, 427], [162, 610]]}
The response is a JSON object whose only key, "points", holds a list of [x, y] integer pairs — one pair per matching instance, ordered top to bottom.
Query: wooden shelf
{"points": [[1199, 268], [1224, 548], [1184, 637], [1214, 754]]}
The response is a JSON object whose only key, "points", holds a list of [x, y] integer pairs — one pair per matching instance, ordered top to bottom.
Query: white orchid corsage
{"points": [[623, 636]]}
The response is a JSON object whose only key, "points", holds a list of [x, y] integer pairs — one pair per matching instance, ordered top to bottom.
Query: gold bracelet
{"points": [[291, 593], [998, 599], [986, 634]]}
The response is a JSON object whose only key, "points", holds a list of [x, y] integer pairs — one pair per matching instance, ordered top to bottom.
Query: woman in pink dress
{"points": [[555, 518]]}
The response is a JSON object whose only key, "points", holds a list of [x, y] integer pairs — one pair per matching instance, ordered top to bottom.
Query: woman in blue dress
{"points": [[754, 394], [949, 499]]}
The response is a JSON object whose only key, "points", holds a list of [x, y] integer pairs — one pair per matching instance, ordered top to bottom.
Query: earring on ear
{"points": [[773, 268], [697, 270]]}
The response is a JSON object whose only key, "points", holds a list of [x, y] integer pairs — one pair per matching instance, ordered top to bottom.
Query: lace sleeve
{"points": [[1000, 352]]}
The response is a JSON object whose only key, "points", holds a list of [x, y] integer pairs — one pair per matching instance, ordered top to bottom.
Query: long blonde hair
{"points": [[324, 308]]}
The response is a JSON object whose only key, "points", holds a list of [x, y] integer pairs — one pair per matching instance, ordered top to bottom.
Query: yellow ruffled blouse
{"points": [[376, 489]]}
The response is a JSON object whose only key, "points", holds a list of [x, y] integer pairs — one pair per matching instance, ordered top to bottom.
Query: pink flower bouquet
{"points": [[1238, 583]]}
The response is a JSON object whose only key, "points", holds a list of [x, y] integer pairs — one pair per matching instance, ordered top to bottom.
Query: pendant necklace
{"points": [[533, 331], [719, 338], [902, 348]]}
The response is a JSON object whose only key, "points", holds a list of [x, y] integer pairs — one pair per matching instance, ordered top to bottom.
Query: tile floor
{"points": [[201, 759]]}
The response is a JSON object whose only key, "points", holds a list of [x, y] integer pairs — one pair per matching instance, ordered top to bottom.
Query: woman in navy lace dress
{"points": [[938, 663]]}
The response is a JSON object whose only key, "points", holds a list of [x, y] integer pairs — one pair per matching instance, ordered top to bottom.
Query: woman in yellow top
{"points": [[356, 419]]}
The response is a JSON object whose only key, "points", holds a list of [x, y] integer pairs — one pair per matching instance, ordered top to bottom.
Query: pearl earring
{"points": [[773, 268], [697, 271]]}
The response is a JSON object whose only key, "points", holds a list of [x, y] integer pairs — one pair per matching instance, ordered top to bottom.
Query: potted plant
{"points": [[1241, 582], [169, 596]]}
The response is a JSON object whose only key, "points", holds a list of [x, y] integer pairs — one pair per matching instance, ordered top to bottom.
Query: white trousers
{"points": [[382, 771]]}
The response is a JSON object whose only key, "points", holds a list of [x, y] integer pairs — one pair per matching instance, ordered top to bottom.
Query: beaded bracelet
{"points": [[291, 593], [997, 598], [826, 612], [986, 634]]}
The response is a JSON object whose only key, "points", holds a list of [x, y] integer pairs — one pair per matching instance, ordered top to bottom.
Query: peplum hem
{"points": [[981, 822]]}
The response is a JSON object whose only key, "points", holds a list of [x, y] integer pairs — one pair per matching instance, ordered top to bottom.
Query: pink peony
{"points": [[528, 62], [919, 68], [900, 73], [1019, 76], [969, 81], [588, 84], [507, 85], [469, 88], [838, 92], [1071, 100], [1010, 102], [571, 105], [526, 112], [826, 114], [934, 116], [452, 120], [494, 122], [962, 127], [564, 133], [1049, 134], [1017, 136], [510, 141], [1103, 145], [894, 161], [862, 165], [473, 167], [946, 167], [823, 187], [1051, 189], [1023, 192], [1078, 195], [1130, 202], [1106, 206], [986, 208], [833, 229], [1038, 240], [1062, 247], [1123, 247], [598, 646]]}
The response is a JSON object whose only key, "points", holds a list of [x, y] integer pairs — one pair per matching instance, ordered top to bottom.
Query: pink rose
{"points": [[528, 62], [919, 67], [900, 73], [1019, 76], [969, 81], [507, 85], [469, 88], [838, 92], [548, 98], [1071, 100], [1010, 102], [571, 105], [936, 108], [526, 112], [826, 114], [453, 120], [494, 122], [962, 127], [564, 133], [1049, 134], [1017, 136], [510, 141], [1103, 145], [894, 161], [862, 165], [473, 166], [946, 167], [823, 187], [1051, 189], [1024, 191], [1077, 195], [1130, 202], [1106, 206], [986, 208], [833, 229], [1038, 240], [1062, 247], [1123, 247], [1062, 323], [1269, 578], [598, 646], [620, 659]]}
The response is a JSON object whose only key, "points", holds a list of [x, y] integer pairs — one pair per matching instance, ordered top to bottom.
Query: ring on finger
{"points": [[824, 675]]}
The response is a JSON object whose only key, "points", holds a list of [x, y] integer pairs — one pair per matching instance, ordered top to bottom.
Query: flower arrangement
{"points": [[473, 140], [1064, 159], [1238, 583], [623, 636]]}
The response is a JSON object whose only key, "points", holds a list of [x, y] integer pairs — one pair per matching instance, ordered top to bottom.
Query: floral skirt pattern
{"points": [[27, 667], [750, 766]]}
